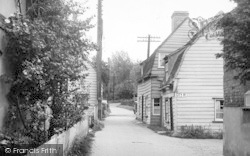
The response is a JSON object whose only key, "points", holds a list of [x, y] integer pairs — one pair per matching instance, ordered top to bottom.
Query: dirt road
{"points": [[125, 136]]}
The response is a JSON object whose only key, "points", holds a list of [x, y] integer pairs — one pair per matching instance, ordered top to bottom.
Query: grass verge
{"points": [[126, 107], [188, 132], [82, 146]]}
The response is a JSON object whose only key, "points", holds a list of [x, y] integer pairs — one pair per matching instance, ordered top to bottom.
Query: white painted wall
{"points": [[200, 78], [90, 83], [144, 89]]}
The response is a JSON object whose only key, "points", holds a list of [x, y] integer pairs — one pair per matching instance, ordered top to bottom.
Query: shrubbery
{"points": [[46, 51]]}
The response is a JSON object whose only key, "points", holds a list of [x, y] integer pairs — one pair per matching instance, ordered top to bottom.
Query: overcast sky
{"points": [[125, 20]]}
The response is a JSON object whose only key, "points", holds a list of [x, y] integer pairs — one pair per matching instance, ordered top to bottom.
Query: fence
{"points": [[66, 139]]}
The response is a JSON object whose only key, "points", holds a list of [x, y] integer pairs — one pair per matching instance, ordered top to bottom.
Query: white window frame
{"points": [[159, 61], [141, 70], [216, 102], [154, 105]]}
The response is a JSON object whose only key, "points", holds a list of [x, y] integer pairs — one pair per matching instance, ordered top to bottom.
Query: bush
{"points": [[128, 102], [197, 132], [82, 146]]}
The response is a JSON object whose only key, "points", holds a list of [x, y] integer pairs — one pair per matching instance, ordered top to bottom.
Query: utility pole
{"points": [[149, 40], [99, 58], [113, 85], [109, 87]]}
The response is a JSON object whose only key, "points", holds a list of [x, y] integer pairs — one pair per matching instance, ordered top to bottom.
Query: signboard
{"points": [[206, 27], [180, 94]]}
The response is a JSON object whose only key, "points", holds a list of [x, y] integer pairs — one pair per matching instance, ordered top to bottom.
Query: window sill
{"points": [[246, 108], [217, 121]]}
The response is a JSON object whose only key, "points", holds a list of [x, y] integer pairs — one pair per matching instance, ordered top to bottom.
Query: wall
{"points": [[200, 79], [91, 84], [144, 89], [236, 120], [237, 132], [67, 138]]}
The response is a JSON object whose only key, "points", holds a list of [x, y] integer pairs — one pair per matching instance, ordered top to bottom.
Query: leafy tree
{"points": [[236, 43], [46, 50], [121, 65], [134, 75]]}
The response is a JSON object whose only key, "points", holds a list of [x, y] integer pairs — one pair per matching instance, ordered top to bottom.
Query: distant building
{"points": [[152, 70], [90, 83]]}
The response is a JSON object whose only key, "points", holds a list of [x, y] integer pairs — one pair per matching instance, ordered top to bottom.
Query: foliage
{"points": [[236, 43], [46, 50], [121, 65], [134, 76], [128, 102], [197, 132], [82, 146]]}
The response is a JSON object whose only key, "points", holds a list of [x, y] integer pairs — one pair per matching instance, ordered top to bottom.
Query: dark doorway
{"points": [[142, 105], [171, 114]]}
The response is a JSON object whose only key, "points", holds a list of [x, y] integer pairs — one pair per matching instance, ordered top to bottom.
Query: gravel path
{"points": [[125, 136]]}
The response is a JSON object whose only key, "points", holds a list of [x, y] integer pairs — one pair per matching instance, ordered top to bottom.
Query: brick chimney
{"points": [[178, 17]]}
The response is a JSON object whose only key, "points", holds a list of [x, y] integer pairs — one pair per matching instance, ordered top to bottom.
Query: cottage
{"points": [[152, 70], [90, 83], [192, 91]]}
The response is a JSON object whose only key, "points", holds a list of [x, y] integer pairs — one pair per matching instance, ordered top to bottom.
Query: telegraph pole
{"points": [[148, 39], [99, 57], [109, 87]]}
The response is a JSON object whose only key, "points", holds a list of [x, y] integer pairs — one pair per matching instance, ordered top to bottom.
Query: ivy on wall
{"points": [[46, 49]]}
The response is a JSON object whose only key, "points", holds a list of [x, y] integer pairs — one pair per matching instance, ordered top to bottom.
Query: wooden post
{"points": [[148, 39], [99, 57]]}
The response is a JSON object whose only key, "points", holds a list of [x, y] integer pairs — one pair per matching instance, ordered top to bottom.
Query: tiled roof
{"points": [[148, 65]]}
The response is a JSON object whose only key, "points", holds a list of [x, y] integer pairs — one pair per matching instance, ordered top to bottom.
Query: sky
{"points": [[125, 20]]}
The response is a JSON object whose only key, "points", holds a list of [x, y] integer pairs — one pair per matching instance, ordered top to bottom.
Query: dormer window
{"points": [[161, 60], [141, 70]]}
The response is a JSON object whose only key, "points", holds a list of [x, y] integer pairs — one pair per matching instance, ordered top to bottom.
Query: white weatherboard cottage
{"points": [[152, 70], [192, 91]]}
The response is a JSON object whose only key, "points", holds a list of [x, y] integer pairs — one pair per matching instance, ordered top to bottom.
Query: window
{"points": [[161, 60], [141, 70], [219, 104], [156, 106]]}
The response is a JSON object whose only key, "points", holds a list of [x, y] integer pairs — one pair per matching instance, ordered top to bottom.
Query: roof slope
{"points": [[177, 56], [149, 62]]}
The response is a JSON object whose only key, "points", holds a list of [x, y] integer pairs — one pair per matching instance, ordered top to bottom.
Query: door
{"points": [[142, 108], [171, 114], [169, 118]]}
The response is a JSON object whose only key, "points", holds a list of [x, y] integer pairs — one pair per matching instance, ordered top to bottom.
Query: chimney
{"points": [[178, 17]]}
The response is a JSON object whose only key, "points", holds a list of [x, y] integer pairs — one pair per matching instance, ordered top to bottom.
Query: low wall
{"points": [[66, 138], [236, 139]]}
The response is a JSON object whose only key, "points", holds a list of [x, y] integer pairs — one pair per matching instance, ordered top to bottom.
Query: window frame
{"points": [[159, 60], [216, 100], [154, 106]]}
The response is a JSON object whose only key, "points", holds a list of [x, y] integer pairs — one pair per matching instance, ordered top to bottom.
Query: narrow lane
{"points": [[125, 136]]}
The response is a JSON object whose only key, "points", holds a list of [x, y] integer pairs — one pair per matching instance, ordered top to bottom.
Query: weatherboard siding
{"points": [[174, 42], [200, 77], [90, 82], [144, 89]]}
